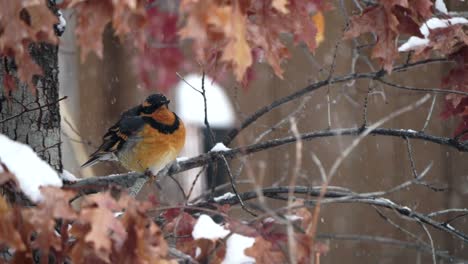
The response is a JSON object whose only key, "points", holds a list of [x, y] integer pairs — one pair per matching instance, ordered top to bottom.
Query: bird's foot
{"points": [[152, 179]]}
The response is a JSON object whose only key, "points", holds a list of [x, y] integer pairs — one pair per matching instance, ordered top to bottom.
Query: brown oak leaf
{"points": [[94, 16], [387, 20], [22, 23], [237, 51], [55, 205], [98, 211], [8, 226], [263, 251]]}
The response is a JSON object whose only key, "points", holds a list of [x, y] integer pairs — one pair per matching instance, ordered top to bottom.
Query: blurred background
{"points": [[99, 90]]}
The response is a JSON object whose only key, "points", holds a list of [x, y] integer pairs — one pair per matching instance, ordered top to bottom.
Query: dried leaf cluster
{"points": [[389, 19], [23, 23], [242, 32], [224, 34], [112, 227], [93, 234], [271, 238]]}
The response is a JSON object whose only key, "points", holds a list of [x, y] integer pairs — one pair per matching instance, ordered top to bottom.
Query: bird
{"points": [[146, 138]]}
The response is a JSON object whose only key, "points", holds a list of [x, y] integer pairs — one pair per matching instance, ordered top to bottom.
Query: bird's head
{"points": [[153, 103]]}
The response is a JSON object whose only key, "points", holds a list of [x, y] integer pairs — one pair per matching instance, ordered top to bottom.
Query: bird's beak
{"points": [[167, 102]]}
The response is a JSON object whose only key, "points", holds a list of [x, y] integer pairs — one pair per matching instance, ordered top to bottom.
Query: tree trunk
{"points": [[31, 115]]}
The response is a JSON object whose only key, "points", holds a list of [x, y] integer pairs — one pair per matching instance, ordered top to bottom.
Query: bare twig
{"points": [[315, 86], [427, 90], [26, 110], [429, 114], [207, 124], [368, 130], [411, 158], [234, 187], [447, 211], [400, 228], [432, 243]]}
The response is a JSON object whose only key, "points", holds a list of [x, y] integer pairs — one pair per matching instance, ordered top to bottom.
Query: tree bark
{"points": [[31, 115]]}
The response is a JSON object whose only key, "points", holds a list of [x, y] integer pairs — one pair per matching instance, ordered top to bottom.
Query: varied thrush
{"points": [[146, 138]]}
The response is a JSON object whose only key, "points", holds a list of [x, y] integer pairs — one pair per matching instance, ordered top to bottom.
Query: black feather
{"points": [[163, 128]]}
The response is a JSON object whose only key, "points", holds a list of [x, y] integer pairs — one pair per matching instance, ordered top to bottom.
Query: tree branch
{"points": [[315, 86], [94, 184], [346, 196]]}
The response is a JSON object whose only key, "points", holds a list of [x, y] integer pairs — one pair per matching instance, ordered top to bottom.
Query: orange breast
{"points": [[155, 150]]}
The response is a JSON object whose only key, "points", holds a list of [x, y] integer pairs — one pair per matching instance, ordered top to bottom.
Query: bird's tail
{"points": [[96, 158]]}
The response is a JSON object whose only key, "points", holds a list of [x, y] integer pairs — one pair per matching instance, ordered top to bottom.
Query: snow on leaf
{"points": [[440, 5], [387, 20], [435, 23], [442, 35], [413, 43], [30, 170], [208, 229], [207, 243], [235, 249]]}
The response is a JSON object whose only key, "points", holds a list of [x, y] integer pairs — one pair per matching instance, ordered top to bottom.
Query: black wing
{"points": [[129, 124]]}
